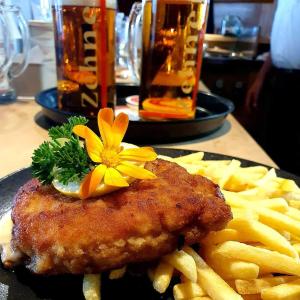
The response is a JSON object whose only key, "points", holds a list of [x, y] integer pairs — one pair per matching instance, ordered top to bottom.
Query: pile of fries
{"points": [[255, 257]]}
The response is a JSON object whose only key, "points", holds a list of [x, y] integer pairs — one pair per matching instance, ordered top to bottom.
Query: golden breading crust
{"points": [[59, 234]]}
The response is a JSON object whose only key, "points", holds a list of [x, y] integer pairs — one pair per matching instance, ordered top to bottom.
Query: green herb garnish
{"points": [[65, 131], [63, 157]]}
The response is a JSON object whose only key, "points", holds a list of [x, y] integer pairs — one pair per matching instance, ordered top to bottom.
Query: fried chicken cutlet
{"points": [[58, 234]]}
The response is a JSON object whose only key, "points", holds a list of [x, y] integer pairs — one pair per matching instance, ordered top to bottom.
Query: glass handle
{"points": [[135, 40], [7, 55], [17, 69]]}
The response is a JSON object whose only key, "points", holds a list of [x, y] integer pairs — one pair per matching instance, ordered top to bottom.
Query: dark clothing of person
{"points": [[280, 118]]}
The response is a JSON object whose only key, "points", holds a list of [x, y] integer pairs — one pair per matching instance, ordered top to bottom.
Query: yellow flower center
{"points": [[110, 158]]}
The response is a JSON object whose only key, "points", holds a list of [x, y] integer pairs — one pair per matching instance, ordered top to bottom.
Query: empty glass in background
{"points": [[121, 47], [14, 49]]}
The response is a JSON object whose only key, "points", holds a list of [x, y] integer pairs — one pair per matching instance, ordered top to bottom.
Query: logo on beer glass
{"points": [[173, 33], [190, 52], [85, 54], [90, 60]]}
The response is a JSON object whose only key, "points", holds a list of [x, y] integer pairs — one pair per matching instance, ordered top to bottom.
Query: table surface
{"points": [[21, 133]]}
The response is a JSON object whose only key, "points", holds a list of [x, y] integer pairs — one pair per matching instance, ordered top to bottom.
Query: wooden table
{"points": [[20, 135]]}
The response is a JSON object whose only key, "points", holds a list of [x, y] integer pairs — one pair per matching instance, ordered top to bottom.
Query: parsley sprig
{"points": [[63, 157]]}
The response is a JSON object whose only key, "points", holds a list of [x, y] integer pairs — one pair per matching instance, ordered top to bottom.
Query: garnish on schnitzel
{"points": [[96, 166]]}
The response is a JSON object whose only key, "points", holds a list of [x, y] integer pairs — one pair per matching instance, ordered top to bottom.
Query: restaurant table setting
{"points": [[136, 81]]}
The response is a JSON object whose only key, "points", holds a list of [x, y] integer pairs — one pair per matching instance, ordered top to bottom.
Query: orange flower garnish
{"points": [[115, 164]]}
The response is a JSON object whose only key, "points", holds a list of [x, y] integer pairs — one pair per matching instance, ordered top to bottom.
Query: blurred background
{"points": [[236, 44]]}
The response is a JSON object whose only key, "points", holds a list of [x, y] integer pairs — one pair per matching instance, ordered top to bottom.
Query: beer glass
{"points": [[84, 33], [172, 40], [14, 49]]}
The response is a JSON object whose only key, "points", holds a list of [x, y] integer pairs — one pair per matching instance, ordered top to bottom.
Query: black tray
{"points": [[211, 113], [21, 284]]}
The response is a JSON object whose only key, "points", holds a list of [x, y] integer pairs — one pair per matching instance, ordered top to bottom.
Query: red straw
{"points": [[103, 54], [199, 64]]}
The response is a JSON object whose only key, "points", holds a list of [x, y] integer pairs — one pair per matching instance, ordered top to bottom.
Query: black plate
{"points": [[211, 113], [21, 284]]}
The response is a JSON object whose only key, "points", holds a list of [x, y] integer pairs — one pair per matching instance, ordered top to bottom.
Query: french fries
{"points": [[190, 158], [266, 235], [263, 237], [239, 261], [276, 261], [184, 263], [230, 268], [117, 273], [162, 277], [213, 284], [91, 286], [255, 286], [187, 290], [286, 291]]}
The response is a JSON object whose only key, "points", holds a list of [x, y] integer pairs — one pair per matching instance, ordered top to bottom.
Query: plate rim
{"points": [[228, 103]]}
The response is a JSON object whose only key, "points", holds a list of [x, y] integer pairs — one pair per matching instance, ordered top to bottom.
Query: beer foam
{"points": [[91, 3]]}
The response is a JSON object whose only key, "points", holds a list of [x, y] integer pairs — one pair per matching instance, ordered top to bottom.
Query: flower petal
{"points": [[105, 122], [119, 128], [82, 130], [94, 146], [138, 154], [135, 171], [96, 178], [114, 178], [85, 186]]}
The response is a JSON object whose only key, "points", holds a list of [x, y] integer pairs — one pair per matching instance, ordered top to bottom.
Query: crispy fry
{"points": [[164, 157], [190, 158], [191, 168], [231, 168], [269, 176], [245, 178], [288, 185], [294, 203], [278, 204], [244, 213], [293, 213], [278, 221], [6, 222], [264, 234], [285, 234], [217, 237], [297, 247], [266, 258], [184, 263], [231, 268], [117, 273], [162, 277], [212, 283], [91, 286], [255, 286], [187, 290], [286, 291]]}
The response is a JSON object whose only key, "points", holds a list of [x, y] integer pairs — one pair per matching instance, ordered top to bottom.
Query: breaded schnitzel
{"points": [[59, 234]]}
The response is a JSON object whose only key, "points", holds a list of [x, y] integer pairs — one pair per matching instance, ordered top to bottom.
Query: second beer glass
{"points": [[172, 34], [85, 54]]}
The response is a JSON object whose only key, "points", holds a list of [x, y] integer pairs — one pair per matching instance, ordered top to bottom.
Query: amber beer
{"points": [[173, 34], [85, 54]]}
